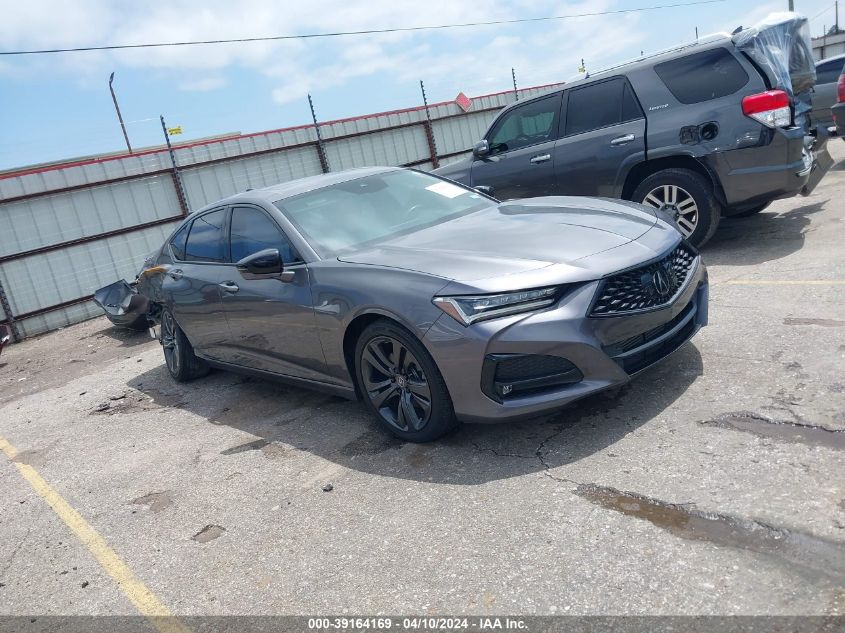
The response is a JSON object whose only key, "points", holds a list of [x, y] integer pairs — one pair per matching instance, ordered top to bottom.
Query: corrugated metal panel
{"points": [[370, 123], [457, 134], [244, 145], [387, 148], [83, 174], [204, 185], [45, 220], [43, 280], [58, 319]]}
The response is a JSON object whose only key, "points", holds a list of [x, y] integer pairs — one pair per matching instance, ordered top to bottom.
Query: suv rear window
{"points": [[702, 76]]}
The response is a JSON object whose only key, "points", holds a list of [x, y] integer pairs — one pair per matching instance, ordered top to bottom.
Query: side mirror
{"points": [[481, 149], [487, 190], [261, 265]]}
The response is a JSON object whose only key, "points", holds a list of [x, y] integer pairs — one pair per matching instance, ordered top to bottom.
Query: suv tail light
{"points": [[840, 89], [771, 108]]}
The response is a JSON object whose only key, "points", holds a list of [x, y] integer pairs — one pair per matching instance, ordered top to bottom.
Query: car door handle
{"points": [[622, 140], [540, 158], [175, 274], [229, 286]]}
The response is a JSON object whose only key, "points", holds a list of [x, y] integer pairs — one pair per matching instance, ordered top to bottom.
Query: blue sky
{"points": [[58, 106]]}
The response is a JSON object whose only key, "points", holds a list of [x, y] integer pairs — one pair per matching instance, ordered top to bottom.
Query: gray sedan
{"points": [[430, 301]]}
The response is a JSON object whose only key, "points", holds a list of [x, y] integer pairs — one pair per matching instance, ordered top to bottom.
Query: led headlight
{"points": [[468, 309]]}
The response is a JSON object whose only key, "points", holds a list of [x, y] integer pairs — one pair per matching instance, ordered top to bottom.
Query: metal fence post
{"points": [[515, 90], [429, 130], [321, 151], [177, 177], [4, 301]]}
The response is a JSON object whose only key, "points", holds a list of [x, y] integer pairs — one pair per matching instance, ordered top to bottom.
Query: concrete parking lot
{"points": [[712, 484]]}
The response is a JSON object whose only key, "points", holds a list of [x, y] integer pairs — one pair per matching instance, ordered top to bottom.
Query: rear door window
{"points": [[702, 76], [600, 105], [525, 125], [252, 230], [205, 240], [177, 244]]}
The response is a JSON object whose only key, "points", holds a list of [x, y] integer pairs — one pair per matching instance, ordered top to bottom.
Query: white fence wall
{"points": [[66, 230]]}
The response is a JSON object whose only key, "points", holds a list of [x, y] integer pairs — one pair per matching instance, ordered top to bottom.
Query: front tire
{"points": [[688, 197], [179, 358], [401, 385]]}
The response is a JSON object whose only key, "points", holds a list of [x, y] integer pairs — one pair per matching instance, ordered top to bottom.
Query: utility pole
{"points": [[836, 4], [791, 5], [696, 34], [515, 91], [119, 116]]}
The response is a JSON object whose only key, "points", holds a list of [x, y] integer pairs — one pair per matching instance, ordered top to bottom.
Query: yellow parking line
{"points": [[780, 282], [132, 587]]}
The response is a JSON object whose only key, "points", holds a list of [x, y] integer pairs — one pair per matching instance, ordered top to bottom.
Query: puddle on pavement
{"points": [[822, 322], [781, 430], [155, 501], [209, 533], [816, 556]]}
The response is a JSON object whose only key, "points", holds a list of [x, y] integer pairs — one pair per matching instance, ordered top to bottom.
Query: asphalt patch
{"points": [[780, 430], [818, 558]]}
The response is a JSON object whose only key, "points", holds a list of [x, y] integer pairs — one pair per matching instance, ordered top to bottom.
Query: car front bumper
{"points": [[599, 347]]}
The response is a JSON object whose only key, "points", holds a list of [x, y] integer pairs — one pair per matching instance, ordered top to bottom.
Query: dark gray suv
{"points": [[716, 128]]}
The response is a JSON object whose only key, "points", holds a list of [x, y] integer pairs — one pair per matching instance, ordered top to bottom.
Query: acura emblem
{"points": [[660, 280]]}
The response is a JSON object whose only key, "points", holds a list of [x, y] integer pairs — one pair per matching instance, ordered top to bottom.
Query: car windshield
{"points": [[373, 209]]}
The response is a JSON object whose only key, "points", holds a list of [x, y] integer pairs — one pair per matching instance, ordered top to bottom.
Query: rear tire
{"points": [[688, 196], [747, 213], [179, 358], [401, 384]]}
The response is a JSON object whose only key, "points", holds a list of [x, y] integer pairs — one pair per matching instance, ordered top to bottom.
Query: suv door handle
{"points": [[622, 140], [540, 158], [175, 274], [229, 286]]}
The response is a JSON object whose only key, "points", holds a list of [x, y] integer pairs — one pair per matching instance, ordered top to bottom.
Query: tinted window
{"points": [[829, 72], [702, 76], [600, 105], [630, 108], [525, 125], [378, 208], [252, 230], [178, 242], [205, 243]]}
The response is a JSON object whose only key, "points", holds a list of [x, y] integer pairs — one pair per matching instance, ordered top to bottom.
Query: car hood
{"points": [[513, 237]]}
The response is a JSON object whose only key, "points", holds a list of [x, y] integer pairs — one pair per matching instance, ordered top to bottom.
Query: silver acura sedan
{"points": [[432, 302]]}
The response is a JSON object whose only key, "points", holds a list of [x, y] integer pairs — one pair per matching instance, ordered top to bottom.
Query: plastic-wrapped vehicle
{"points": [[716, 128]]}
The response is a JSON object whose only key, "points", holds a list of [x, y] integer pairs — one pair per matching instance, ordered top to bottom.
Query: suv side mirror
{"points": [[481, 149], [261, 265]]}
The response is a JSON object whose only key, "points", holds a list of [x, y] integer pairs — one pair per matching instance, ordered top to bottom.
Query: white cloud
{"points": [[473, 60], [203, 85]]}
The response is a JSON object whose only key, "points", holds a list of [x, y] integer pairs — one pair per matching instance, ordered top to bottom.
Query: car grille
{"points": [[647, 287], [530, 366]]}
